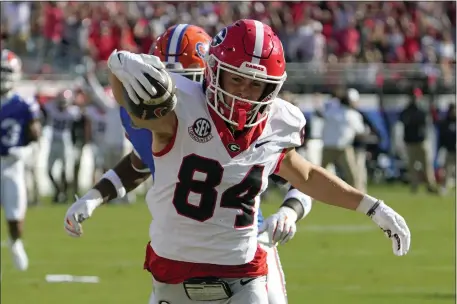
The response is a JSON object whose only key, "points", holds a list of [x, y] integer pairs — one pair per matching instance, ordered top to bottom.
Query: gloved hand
{"points": [[130, 68], [81, 210], [392, 223], [394, 226], [279, 227]]}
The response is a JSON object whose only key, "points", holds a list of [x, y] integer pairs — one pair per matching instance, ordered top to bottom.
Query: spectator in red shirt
{"points": [[52, 22], [52, 26], [142, 36], [348, 39], [411, 44], [102, 45]]}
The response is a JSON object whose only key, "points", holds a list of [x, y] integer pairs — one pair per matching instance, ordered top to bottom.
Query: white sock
{"points": [[20, 258]]}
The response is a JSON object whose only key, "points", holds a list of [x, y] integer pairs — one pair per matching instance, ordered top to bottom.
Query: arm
{"points": [[99, 94], [34, 126], [162, 127], [87, 129], [34, 131], [128, 174], [318, 182], [329, 189], [298, 202], [281, 227]]}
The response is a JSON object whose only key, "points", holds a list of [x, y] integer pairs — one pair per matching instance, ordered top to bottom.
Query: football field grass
{"points": [[337, 256]]}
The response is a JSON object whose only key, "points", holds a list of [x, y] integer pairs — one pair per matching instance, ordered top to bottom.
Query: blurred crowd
{"points": [[313, 32], [377, 47]]}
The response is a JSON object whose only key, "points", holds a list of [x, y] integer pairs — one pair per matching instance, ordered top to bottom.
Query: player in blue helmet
{"points": [[19, 126]]}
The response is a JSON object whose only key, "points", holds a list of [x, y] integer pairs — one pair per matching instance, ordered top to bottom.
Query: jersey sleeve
{"points": [[288, 125]]}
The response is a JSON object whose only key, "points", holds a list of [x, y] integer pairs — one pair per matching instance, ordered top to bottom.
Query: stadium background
{"points": [[382, 49]]}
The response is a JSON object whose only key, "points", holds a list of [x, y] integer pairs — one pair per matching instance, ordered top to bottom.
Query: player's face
{"points": [[241, 87]]}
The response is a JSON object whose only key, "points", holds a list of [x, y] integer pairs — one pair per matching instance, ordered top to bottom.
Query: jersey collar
{"points": [[6, 98], [242, 142]]}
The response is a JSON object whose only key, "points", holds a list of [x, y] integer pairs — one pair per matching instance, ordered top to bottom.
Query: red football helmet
{"points": [[182, 49], [250, 49], [11, 70]]}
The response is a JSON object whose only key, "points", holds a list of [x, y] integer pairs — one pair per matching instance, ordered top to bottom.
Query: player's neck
{"points": [[4, 98], [236, 133]]}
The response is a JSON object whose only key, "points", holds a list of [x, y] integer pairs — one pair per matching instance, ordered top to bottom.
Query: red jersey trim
{"points": [[242, 142], [280, 159], [175, 272]]}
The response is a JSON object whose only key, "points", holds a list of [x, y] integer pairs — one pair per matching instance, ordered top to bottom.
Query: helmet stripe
{"points": [[259, 36], [174, 43], [167, 51]]}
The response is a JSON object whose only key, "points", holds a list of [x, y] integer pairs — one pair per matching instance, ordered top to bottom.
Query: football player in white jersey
{"points": [[193, 45], [60, 115], [19, 125], [215, 145]]}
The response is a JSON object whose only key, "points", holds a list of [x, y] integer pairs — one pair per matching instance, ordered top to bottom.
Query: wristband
{"points": [[112, 176], [293, 198], [368, 205]]}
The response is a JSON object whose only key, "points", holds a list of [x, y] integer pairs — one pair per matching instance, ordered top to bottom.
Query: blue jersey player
{"points": [[19, 125], [277, 228]]}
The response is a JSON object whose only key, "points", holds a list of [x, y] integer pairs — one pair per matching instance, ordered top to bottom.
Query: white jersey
{"points": [[97, 120], [61, 121], [206, 192]]}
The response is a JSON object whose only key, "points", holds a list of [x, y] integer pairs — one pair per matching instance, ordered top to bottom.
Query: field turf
{"points": [[336, 256]]}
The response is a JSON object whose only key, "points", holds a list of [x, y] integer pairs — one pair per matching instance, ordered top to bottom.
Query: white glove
{"points": [[130, 68], [81, 210], [392, 223], [279, 227]]}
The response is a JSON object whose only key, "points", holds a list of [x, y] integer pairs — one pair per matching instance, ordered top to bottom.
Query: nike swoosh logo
{"points": [[261, 144], [247, 281]]}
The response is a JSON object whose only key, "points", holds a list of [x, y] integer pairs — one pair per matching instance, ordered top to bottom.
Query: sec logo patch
{"points": [[200, 131]]}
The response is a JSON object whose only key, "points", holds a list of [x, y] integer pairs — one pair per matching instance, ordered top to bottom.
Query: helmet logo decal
{"points": [[219, 38], [201, 49]]}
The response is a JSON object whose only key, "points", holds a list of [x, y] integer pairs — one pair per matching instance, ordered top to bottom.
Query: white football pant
{"points": [[13, 188], [276, 282], [276, 285], [255, 292]]}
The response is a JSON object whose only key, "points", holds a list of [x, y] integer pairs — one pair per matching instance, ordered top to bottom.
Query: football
{"points": [[158, 105]]}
